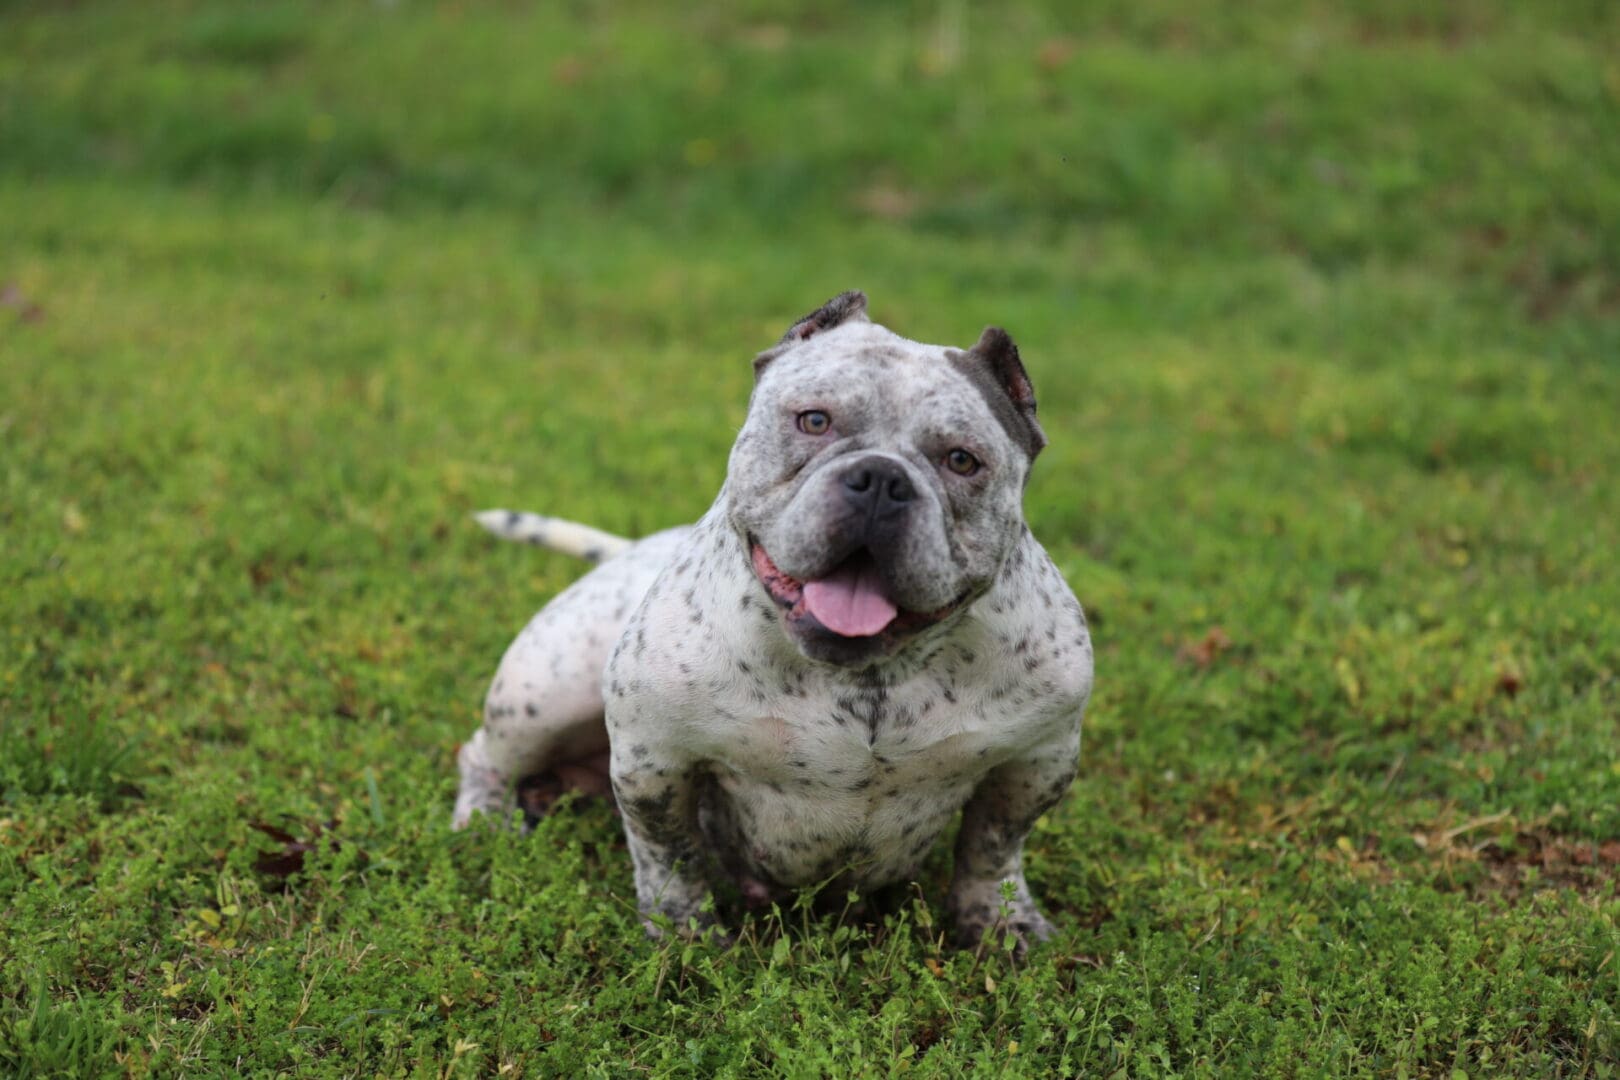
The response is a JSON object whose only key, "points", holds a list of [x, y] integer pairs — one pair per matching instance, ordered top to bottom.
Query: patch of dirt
{"points": [[1531, 857], [1540, 859]]}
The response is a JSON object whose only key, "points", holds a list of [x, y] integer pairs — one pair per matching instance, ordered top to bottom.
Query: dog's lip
{"points": [[785, 590], [788, 592]]}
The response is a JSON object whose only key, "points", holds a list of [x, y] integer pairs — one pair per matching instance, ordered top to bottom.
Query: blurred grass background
{"points": [[1322, 305]]}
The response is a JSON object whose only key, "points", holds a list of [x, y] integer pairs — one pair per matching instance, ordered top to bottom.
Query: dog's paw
{"points": [[493, 815], [984, 921], [694, 926], [1028, 928]]}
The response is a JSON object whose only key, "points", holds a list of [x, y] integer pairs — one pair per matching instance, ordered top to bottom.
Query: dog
{"points": [[859, 639]]}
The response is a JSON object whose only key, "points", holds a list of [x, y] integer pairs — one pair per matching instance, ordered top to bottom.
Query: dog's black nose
{"points": [[878, 485]]}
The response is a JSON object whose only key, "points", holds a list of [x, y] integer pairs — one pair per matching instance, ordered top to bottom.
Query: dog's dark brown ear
{"points": [[844, 307], [995, 369]]}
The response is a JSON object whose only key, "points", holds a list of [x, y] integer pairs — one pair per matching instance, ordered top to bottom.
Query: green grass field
{"points": [[1322, 304]]}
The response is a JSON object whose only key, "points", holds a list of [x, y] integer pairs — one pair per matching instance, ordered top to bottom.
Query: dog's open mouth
{"points": [[850, 601]]}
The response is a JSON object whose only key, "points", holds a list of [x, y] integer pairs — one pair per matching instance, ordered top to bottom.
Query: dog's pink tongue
{"points": [[850, 601]]}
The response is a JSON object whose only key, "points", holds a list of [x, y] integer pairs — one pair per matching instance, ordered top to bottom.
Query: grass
{"points": [[1322, 305]]}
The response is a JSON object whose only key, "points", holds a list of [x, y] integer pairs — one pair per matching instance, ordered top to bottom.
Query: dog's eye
{"points": [[814, 422], [962, 463]]}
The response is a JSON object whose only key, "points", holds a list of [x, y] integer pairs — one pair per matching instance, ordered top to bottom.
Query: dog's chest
{"points": [[861, 781]]}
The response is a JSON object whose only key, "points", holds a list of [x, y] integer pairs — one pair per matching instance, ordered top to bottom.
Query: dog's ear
{"points": [[843, 308], [995, 369]]}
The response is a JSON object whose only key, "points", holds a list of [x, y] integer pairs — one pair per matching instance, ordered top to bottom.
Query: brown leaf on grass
{"points": [[769, 37], [1055, 53], [569, 70], [886, 201], [12, 296], [262, 572], [1206, 650], [1509, 683], [288, 860]]}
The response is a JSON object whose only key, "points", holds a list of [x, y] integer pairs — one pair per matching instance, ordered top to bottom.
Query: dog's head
{"points": [[877, 481]]}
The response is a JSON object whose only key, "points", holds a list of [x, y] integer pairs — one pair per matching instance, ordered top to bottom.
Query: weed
{"points": [[79, 754], [44, 1038]]}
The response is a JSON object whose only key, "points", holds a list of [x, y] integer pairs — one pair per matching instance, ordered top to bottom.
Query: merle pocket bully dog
{"points": [[858, 640]]}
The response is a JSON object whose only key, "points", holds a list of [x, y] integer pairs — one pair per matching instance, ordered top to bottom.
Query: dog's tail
{"points": [[570, 538]]}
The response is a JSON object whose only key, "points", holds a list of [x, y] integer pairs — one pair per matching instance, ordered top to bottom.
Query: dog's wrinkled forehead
{"points": [[833, 342], [844, 351]]}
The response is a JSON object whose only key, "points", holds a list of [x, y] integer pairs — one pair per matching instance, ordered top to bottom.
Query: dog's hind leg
{"points": [[543, 712]]}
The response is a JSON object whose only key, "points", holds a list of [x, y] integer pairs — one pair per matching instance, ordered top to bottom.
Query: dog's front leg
{"points": [[659, 800], [990, 846]]}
